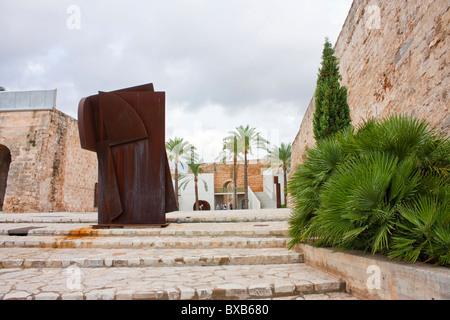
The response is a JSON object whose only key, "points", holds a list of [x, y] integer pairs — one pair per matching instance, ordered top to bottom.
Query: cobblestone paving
{"points": [[215, 255], [219, 282]]}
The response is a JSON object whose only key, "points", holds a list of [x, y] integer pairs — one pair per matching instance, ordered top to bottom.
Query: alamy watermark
{"points": [[373, 17], [73, 22], [73, 280], [374, 280]]}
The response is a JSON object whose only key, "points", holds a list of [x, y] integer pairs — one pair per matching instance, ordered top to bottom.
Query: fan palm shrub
{"points": [[307, 181], [383, 189]]}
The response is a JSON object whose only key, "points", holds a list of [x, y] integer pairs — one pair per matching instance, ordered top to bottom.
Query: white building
{"points": [[209, 198]]}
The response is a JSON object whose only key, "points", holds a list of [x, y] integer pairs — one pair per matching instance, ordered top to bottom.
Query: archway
{"points": [[5, 161], [228, 186], [204, 205]]}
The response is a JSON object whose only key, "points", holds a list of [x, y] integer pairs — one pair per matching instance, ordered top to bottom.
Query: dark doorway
{"points": [[5, 161], [204, 205]]}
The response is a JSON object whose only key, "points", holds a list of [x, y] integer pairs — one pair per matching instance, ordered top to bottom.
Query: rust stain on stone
{"points": [[83, 232], [77, 234], [119, 253]]}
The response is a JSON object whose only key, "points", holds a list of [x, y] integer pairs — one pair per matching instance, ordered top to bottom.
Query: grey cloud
{"points": [[236, 54]]}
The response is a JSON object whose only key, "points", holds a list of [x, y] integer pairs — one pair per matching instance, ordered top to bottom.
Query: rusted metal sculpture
{"points": [[126, 128]]}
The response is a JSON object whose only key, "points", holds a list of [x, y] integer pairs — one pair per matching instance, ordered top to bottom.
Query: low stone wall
{"points": [[376, 277]]}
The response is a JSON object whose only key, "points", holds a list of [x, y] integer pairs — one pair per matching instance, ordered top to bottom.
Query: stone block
{"points": [[304, 286], [321, 286], [283, 287], [232, 290], [260, 290], [173, 293], [186, 293], [204, 293], [101, 294], [18, 295], [124, 295], [46, 296], [72, 296]]}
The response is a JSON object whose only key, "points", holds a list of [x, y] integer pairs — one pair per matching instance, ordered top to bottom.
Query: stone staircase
{"points": [[265, 200], [203, 255]]}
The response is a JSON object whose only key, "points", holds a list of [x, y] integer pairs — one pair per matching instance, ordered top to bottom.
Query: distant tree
{"points": [[2, 89], [332, 112], [247, 139], [178, 150], [230, 151], [280, 157], [196, 170]]}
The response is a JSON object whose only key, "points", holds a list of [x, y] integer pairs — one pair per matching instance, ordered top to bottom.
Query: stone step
{"points": [[265, 200], [230, 216], [53, 217], [171, 217], [237, 229], [119, 242], [200, 255], [107, 258], [172, 283]]}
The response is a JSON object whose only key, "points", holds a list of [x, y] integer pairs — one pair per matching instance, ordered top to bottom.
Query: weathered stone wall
{"points": [[394, 60], [48, 171], [81, 171], [223, 173], [375, 277]]}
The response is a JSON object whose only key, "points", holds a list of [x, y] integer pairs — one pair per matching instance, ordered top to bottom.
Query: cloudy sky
{"points": [[222, 63]]}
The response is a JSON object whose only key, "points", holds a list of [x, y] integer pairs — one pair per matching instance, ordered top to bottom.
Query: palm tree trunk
{"points": [[235, 175], [245, 180], [234, 183], [285, 184], [176, 185], [196, 194]]}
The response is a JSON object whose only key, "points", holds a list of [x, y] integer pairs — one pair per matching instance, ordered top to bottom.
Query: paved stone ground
{"points": [[202, 255]]}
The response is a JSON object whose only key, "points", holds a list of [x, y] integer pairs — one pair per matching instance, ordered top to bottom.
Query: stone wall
{"points": [[394, 60], [48, 170], [223, 173], [375, 277]]}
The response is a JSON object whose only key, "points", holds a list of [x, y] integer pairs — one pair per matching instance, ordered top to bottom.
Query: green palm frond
{"points": [[280, 156], [384, 188], [424, 230]]}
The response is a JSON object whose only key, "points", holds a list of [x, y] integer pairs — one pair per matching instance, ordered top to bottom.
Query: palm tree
{"points": [[245, 140], [178, 150], [230, 150], [280, 157], [196, 170]]}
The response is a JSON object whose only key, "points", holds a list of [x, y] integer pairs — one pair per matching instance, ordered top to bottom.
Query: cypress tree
{"points": [[332, 112]]}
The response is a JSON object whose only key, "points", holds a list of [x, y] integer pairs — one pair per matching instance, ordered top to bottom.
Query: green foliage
{"points": [[332, 112], [239, 144], [179, 150], [280, 156], [196, 170], [186, 179], [384, 189]]}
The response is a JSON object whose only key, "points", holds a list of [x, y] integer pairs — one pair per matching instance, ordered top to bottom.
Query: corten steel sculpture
{"points": [[127, 130]]}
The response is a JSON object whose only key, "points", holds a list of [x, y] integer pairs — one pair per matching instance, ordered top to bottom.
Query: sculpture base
{"points": [[131, 226]]}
